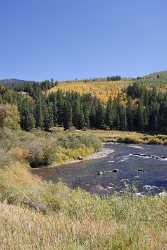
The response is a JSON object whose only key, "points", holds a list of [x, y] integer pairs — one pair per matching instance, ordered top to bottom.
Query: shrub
{"points": [[3, 114], [9, 116], [76, 140], [40, 153]]}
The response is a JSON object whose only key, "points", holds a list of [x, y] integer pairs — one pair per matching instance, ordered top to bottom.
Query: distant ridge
{"points": [[157, 75], [161, 75], [10, 82]]}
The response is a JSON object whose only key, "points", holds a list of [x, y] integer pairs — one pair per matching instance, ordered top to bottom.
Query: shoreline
{"points": [[130, 137], [102, 153]]}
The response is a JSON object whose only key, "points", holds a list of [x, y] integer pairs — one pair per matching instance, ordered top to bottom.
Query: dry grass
{"points": [[128, 137], [75, 219], [87, 223], [23, 229]]}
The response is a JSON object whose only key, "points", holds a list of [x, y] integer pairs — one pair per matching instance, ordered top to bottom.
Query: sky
{"points": [[79, 39]]}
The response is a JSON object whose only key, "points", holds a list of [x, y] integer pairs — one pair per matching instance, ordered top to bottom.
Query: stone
{"points": [[80, 158], [115, 170], [140, 170], [100, 173], [163, 194], [36, 206]]}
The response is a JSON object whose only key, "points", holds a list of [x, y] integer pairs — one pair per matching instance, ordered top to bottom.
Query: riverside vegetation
{"points": [[38, 215]]}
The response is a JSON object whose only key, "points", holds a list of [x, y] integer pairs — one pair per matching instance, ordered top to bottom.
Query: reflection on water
{"points": [[138, 168]]}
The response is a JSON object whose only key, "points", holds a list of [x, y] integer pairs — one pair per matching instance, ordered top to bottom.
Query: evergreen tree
{"points": [[60, 107], [76, 110], [55, 112], [39, 113], [27, 116], [100, 116], [140, 116], [48, 117], [67, 117], [92, 117], [109, 118], [81, 120]]}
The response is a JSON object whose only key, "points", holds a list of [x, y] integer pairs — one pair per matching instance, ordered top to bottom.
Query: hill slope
{"points": [[161, 75], [12, 82], [101, 89]]}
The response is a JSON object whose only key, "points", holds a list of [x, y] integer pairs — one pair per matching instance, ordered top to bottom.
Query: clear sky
{"points": [[68, 39]]}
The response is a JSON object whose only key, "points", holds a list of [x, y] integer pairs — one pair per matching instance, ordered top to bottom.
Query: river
{"points": [[137, 168]]}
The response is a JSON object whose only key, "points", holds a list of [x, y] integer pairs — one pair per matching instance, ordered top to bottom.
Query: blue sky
{"points": [[63, 39]]}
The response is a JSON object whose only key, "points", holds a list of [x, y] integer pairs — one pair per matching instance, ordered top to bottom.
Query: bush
{"points": [[3, 115], [9, 116], [77, 140], [51, 148], [40, 153]]}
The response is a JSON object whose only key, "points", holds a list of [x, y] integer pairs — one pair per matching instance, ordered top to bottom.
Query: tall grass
{"points": [[78, 220]]}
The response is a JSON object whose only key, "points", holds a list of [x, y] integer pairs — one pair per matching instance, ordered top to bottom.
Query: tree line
{"points": [[145, 108]]}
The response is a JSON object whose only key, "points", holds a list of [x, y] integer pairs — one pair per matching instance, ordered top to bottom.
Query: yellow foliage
{"points": [[101, 89]]}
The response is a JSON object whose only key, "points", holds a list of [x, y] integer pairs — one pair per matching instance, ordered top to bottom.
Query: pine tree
{"points": [[76, 106], [60, 107], [55, 112], [130, 115], [27, 116], [39, 116], [67, 116], [100, 116], [140, 116], [48, 117], [92, 117], [109, 117], [81, 120]]}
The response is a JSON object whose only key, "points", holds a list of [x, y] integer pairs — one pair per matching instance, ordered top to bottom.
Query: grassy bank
{"points": [[129, 137], [45, 149], [75, 220]]}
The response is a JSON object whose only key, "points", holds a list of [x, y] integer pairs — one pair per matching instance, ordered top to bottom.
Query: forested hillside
{"points": [[102, 89], [137, 105]]}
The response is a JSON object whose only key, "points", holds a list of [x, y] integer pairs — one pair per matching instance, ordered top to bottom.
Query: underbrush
{"points": [[39, 148]]}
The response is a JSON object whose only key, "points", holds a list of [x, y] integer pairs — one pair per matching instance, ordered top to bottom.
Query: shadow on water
{"points": [[138, 168]]}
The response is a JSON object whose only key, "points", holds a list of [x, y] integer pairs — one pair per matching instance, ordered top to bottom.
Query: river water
{"points": [[137, 168]]}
